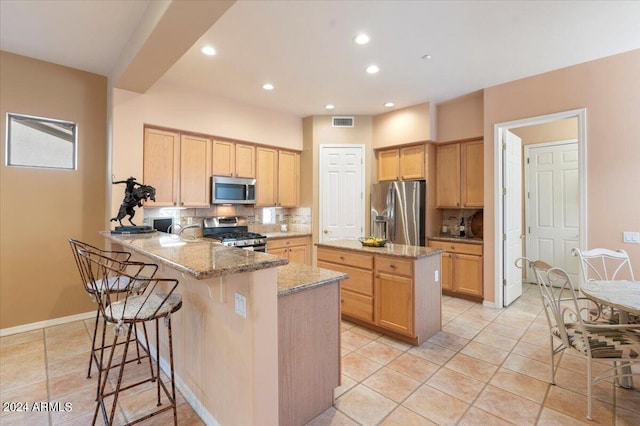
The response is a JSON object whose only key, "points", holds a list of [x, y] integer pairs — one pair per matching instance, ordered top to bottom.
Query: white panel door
{"points": [[553, 205], [342, 209], [512, 232]]}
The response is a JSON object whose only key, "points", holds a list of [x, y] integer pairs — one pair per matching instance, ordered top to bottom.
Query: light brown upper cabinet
{"points": [[233, 159], [405, 163], [179, 167], [460, 175], [277, 178], [288, 179], [472, 189]]}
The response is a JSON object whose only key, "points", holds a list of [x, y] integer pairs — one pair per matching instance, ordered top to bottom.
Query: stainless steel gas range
{"points": [[233, 231]]}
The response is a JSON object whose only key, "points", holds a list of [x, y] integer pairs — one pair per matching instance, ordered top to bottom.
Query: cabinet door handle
{"points": [[174, 203], [341, 257], [392, 266], [377, 275], [341, 300]]}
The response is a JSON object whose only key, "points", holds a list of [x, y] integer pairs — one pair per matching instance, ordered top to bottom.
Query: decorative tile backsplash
{"points": [[267, 219], [451, 220]]}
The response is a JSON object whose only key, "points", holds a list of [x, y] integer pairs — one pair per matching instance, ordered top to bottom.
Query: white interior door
{"points": [[553, 199], [512, 202], [342, 209]]}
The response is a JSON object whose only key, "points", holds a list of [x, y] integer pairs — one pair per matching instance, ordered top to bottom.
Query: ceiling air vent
{"points": [[342, 121]]}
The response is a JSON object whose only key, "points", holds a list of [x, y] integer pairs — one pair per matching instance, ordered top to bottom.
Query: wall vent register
{"points": [[343, 121]]}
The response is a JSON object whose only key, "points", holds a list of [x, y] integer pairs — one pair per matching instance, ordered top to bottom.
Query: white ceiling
{"points": [[305, 48]]}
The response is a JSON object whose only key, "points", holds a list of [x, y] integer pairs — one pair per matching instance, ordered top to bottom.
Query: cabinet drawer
{"points": [[286, 242], [455, 247], [363, 261], [394, 266], [359, 281], [356, 305]]}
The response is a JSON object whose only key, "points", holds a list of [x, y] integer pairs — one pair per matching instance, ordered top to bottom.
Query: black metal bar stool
{"points": [[118, 258], [145, 299]]}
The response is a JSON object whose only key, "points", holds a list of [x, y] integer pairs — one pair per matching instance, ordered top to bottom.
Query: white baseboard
{"points": [[490, 304], [47, 323]]}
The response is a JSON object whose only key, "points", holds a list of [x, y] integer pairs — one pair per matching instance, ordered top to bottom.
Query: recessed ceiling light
{"points": [[361, 39], [208, 50], [426, 57], [372, 69], [267, 86], [389, 104], [329, 106]]}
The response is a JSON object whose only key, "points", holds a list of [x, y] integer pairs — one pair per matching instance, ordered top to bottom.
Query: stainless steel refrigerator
{"points": [[398, 211]]}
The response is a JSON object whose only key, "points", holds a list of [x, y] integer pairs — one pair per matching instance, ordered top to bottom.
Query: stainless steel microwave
{"points": [[228, 190]]}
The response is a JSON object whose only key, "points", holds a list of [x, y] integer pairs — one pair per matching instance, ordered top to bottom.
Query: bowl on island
{"points": [[372, 241]]}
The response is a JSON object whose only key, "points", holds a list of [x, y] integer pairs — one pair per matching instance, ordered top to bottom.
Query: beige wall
{"points": [[608, 88], [184, 109], [461, 118], [407, 125], [318, 130], [560, 130], [40, 208]]}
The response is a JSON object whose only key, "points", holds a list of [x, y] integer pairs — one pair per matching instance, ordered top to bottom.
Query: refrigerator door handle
{"points": [[391, 225]]}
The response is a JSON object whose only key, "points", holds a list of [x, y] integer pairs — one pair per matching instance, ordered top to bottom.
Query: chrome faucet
{"points": [[181, 229]]}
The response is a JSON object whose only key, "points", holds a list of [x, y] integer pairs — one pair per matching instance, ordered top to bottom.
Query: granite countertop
{"points": [[283, 235], [458, 240], [390, 249], [200, 258], [296, 277]]}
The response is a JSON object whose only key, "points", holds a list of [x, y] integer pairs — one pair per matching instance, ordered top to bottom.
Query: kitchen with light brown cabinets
{"points": [[233, 159], [403, 163], [179, 165], [277, 178], [393, 290]]}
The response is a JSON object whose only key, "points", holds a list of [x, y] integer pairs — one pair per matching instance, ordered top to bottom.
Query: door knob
{"points": [[326, 231]]}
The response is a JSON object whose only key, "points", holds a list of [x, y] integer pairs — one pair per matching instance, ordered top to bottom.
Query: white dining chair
{"points": [[601, 264]]}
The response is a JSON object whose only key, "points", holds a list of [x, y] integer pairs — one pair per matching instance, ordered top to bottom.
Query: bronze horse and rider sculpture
{"points": [[134, 196]]}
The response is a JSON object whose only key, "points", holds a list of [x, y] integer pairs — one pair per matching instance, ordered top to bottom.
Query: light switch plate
{"points": [[631, 237], [437, 276], [241, 305]]}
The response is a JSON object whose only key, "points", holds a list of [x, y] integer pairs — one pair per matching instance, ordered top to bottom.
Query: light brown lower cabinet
{"points": [[296, 249], [461, 268], [393, 295]]}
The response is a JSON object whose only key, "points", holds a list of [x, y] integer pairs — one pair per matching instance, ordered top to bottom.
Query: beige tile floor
{"points": [[487, 367]]}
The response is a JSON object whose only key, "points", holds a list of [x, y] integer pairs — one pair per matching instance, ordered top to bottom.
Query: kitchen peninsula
{"points": [[394, 289], [229, 363]]}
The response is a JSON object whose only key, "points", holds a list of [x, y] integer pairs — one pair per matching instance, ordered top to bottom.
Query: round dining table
{"points": [[623, 295]]}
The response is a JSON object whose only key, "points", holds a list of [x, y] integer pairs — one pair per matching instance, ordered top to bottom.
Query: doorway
{"points": [[342, 189], [505, 250]]}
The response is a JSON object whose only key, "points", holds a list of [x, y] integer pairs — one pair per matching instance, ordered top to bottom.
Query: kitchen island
{"points": [[394, 289], [277, 360]]}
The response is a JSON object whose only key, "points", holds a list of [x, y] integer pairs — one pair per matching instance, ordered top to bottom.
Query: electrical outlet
{"points": [[631, 237], [437, 275], [241, 305]]}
